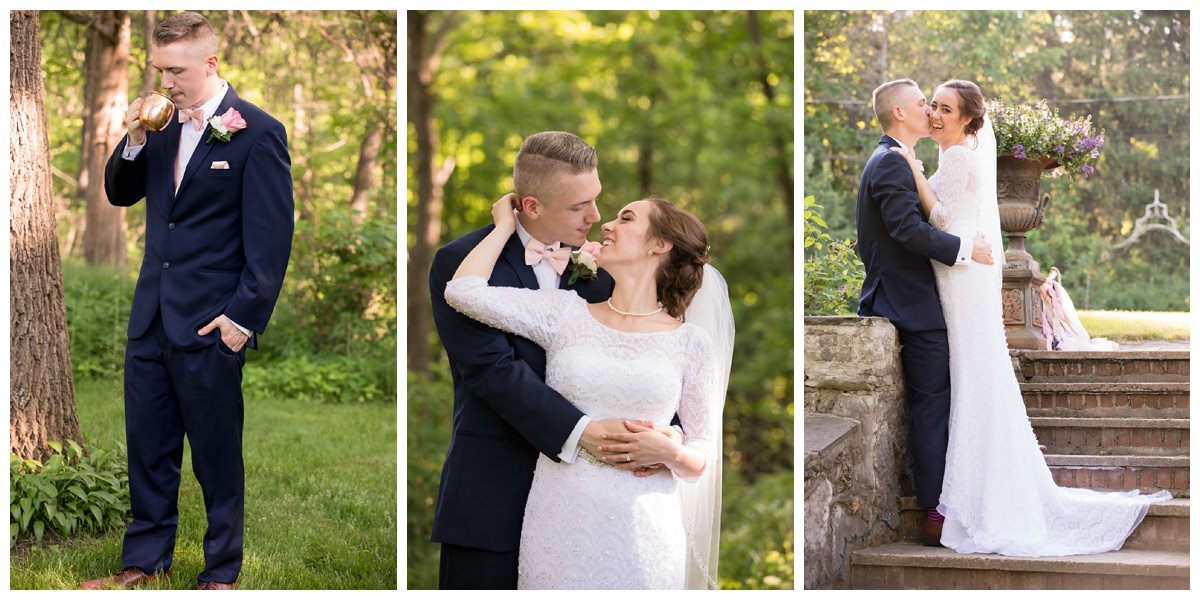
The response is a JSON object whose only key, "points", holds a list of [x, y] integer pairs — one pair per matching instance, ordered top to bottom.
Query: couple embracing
{"points": [[930, 270], [586, 446]]}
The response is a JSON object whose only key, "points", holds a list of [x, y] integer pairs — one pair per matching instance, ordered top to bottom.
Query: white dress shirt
{"points": [[189, 138], [965, 246], [548, 279]]}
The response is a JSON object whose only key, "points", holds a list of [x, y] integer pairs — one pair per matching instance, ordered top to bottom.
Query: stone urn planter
{"points": [[1018, 184]]}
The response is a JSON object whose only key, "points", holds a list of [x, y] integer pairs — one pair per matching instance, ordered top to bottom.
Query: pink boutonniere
{"points": [[224, 126], [583, 262]]}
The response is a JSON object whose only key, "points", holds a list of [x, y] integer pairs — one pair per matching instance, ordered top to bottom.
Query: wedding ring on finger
{"points": [[628, 458]]}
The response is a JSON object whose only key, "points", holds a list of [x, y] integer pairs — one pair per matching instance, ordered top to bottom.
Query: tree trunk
{"points": [[424, 54], [149, 77], [106, 100], [783, 161], [366, 178], [42, 401]]}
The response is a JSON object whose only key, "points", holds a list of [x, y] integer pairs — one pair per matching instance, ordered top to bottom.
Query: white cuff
{"points": [[131, 152], [964, 251], [243, 329], [570, 447]]}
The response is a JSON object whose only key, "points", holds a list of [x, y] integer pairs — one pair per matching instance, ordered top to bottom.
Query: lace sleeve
{"points": [[953, 179], [533, 314], [700, 404]]}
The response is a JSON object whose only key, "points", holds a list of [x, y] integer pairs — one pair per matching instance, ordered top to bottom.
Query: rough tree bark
{"points": [[424, 58], [149, 77], [106, 97], [366, 176], [42, 398]]}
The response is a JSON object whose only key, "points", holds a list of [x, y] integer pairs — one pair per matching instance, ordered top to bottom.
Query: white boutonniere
{"points": [[224, 126], [583, 262]]}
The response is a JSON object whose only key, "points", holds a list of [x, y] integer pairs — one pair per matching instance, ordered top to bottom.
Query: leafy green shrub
{"points": [[833, 274], [340, 289], [98, 301], [333, 380], [74, 491], [758, 532]]}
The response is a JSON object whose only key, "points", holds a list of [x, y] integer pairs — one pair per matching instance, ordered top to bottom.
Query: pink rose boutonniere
{"points": [[224, 126], [583, 262]]}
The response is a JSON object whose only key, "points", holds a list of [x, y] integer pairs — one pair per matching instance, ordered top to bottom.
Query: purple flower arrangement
{"points": [[1034, 131]]}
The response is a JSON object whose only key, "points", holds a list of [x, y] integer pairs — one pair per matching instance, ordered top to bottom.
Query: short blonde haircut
{"points": [[186, 27], [886, 96], [544, 157]]}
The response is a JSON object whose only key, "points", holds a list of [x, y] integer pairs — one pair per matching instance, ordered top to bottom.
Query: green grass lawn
{"points": [[1128, 326], [320, 500]]}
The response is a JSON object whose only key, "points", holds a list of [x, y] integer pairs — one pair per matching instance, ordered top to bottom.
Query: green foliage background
{"points": [[1026, 56], [674, 105]]}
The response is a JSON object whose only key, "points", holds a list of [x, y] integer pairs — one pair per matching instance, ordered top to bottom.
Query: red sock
{"points": [[934, 515]]}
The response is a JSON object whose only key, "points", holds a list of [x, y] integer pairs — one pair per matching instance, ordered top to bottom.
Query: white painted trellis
{"points": [[1156, 218]]}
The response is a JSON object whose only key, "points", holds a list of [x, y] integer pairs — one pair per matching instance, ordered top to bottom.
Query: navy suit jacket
{"points": [[896, 242], [221, 244], [504, 413]]}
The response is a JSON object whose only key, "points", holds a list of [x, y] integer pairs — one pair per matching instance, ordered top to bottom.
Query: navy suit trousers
{"points": [[926, 358], [170, 393], [465, 568]]}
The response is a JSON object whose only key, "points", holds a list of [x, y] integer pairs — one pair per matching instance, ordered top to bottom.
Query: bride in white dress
{"points": [[998, 495], [609, 522]]}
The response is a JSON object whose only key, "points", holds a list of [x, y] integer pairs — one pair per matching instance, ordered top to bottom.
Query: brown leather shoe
{"points": [[931, 534], [128, 577], [217, 585]]}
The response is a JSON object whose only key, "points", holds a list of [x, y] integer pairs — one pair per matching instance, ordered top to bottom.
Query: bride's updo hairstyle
{"points": [[971, 99], [679, 276]]}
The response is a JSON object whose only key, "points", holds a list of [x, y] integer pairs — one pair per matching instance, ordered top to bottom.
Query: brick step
{"points": [[1137, 365], [1107, 399], [1121, 435], [1117, 472], [1167, 525], [912, 566]]}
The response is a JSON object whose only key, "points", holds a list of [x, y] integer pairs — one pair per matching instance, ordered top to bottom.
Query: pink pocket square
{"points": [[219, 164]]}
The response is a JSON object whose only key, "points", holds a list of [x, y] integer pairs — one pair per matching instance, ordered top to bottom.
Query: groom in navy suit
{"points": [[218, 236], [896, 243], [504, 413]]}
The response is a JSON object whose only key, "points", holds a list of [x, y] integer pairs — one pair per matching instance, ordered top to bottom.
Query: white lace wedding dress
{"points": [[998, 495], [589, 525]]}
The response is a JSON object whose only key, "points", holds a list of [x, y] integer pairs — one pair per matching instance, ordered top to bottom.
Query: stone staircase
{"points": [[1109, 421]]}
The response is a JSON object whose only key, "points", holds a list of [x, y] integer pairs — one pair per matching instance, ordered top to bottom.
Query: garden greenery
{"points": [[1035, 131], [833, 273], [76, 490]]}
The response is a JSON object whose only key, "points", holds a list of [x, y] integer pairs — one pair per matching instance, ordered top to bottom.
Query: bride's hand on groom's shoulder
{"points": [[910, 157], [502, 212]]}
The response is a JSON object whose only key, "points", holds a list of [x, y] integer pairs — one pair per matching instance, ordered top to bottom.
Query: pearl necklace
{"points": [[630, 314]]}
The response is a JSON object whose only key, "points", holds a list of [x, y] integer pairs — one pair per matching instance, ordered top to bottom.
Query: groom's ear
{"points": [[531, 206]]}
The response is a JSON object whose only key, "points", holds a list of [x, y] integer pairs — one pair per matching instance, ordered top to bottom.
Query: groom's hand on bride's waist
{"points": [[981, 251], [599, 431]]}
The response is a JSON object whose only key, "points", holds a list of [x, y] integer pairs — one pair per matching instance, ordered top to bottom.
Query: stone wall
{"points": [[853, 476]]}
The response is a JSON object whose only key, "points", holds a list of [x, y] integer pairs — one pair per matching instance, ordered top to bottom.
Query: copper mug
{"points": [[156, 111]]}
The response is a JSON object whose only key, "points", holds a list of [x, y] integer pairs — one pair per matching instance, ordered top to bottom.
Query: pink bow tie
{"points": [[195, 115], [536, 252]]}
